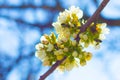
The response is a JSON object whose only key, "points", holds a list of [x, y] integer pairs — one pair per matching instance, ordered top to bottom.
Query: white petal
{"points": [[102, 37], [50, 47]]}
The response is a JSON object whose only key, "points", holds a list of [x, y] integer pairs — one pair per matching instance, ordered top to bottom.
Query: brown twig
{"points": [[95, 15], [92, 18], [110, 22], [83, 28], [52, 69]]}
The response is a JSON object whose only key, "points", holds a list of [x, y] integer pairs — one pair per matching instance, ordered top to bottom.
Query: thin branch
{"points": [[58, 7], [95, 15], [93, 18], [20, 21], [110, 22], [83, 28], [52, 69]]}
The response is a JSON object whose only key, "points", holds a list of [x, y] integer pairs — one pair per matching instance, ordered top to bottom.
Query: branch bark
{"points": [[95, 15], [92, 18], [110, 22], [83, 28], [51, 69]]}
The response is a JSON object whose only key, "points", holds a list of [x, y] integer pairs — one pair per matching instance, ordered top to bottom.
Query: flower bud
{"points": [[85, 37], [44, 40], [74, 42], [61, 46], [65, 49], [74, 53], [80, 56], [88, 56], [59, 57], [82, 62], [46, 63]]}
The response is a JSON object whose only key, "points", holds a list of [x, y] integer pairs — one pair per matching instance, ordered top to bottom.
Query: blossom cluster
{"points": [[68, 22], [68, 27], [94, 35]]}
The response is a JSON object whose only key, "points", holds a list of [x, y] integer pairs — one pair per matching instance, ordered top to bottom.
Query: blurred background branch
{"points": [[52, 9]]}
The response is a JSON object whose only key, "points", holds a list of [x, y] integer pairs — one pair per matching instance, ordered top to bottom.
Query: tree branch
{"points": [[58, 7], [95, 15], [93, 18], [20, 21], [110, 22], [83, 28], [52, 69]]}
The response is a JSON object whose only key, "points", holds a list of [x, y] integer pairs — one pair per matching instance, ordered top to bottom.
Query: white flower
{"points": [[77, 11], [63, 16], [66, 16], [57, 27], [104, 30], [63, 32], [102, 37], [43, 38], [39, 46], [50, 47], [40, 54]]}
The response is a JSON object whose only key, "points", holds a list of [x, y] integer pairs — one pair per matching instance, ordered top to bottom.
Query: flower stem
{"points": [[83, 28]]}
